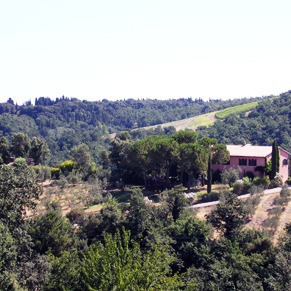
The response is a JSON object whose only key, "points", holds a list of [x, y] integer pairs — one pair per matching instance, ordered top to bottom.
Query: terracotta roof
{"points": [[249, 150]]}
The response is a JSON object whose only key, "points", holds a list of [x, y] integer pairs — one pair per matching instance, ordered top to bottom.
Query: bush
{"points": [[67, 166], [42, 173], [55, 173], [250, 175], [216, 176], [230, 176], [74, 177], [288, 181], [262, 182], [238, 188], [241, 188], [212, 196], [76, 215]]}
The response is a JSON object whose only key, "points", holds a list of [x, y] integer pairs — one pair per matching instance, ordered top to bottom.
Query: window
{"points": [[242, 162], [252, 162], [285, 162]]}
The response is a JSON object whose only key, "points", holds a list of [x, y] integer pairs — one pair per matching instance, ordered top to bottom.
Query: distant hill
{"points": [[269, 120], [66, 122]]}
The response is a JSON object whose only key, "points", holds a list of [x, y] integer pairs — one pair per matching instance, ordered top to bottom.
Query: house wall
{"points": [[234, 163], [284, 169]]}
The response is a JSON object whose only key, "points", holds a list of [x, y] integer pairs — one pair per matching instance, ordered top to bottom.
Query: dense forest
{"points": [[68, 122], [142, 235], [134, 245]]}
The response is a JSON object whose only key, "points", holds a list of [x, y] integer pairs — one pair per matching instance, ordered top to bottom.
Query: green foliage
{"points": [[235, 110], [268, 121], [185, 136], [20, 145], [4, 150], [39, 150], [82, 156], [275, 160], [67, 166], [42, 173], [55, 173], [209, 175], [230, 176], [262, 182], [240, 188], [18, 191], [209, 197], [176, 201], [229, 216], [51, 232], [190, 239], [120, 264], [65, 271]]}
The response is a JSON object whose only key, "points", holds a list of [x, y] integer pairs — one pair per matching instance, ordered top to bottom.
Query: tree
{"points": [[185, 136], [20, 145], [4, 149], [39, 150], [82, 156], [275, 160], [193, 161], [209, 174], [230, 176], [18, 192], [176, 201], [139, 215], [229, 216], [51, 232], [190, 239], [119, 264], [65, 271]]}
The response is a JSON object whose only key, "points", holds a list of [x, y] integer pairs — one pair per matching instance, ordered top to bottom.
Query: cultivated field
{"points": [[235, 110]]}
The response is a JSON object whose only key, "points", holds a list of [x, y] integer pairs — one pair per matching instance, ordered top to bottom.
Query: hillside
{"points": [[204, 120], [270, 120], [67, 122], [193, 123], [261, 219]]}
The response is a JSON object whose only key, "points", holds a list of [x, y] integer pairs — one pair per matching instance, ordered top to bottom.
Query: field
{"points": [[235, 110], [190, 123]]}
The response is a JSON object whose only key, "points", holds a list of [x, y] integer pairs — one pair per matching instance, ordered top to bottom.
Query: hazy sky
{"points": [[117, 49]]}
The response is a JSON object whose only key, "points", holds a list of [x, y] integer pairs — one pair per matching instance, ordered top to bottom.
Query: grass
{"points": [[235, 110], [190, 123], [94, 208]]}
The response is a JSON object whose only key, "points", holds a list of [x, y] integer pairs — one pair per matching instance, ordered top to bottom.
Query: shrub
{"points": [[67, 166], [42, 173], [55, 173], [250, 175], [216, 176], [230, 176], [74, 177], [288, 181], [262, 182], [276, 182], [238, 188], [241, 188], [256, 190], [285, 192], [212, 196], [76, 215]]}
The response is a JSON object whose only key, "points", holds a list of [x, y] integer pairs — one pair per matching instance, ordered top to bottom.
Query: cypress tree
{"points": [[275, 160], [209, 174]]}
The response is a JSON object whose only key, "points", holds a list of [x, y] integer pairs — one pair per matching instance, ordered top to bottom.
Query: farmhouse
{"points": [[252, 159]]}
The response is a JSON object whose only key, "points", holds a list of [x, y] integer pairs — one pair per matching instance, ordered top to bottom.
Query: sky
{"points": [[162, 49]]}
